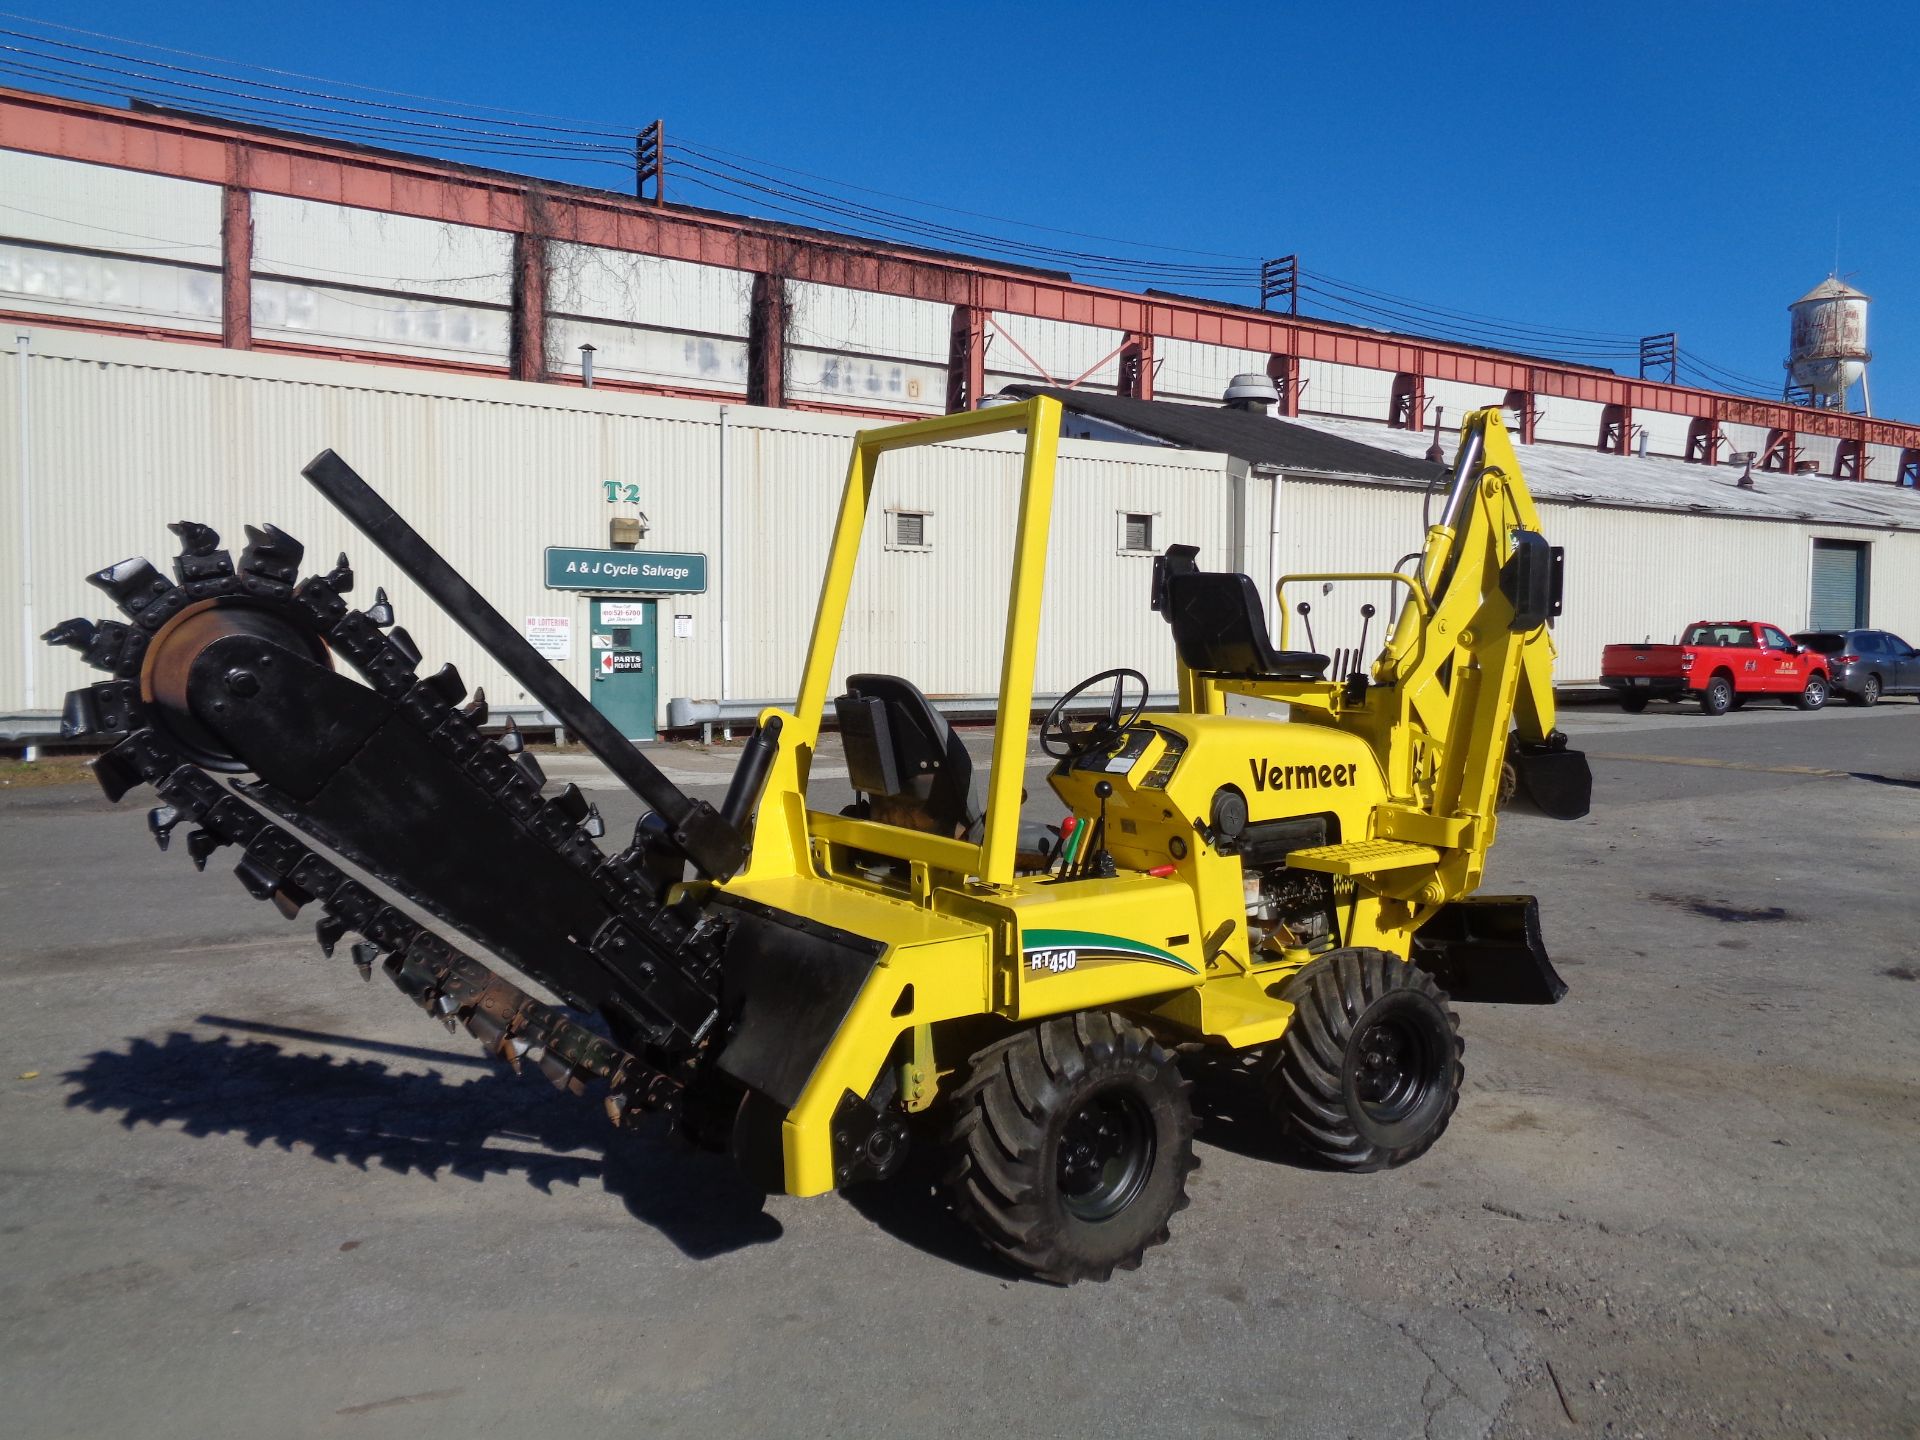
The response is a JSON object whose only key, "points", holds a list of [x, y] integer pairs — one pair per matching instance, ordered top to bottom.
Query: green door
{"points": [[624, 653]]}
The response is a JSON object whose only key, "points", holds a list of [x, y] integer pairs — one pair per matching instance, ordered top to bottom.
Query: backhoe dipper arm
{"points": [[1471, 655], [700, 832]]}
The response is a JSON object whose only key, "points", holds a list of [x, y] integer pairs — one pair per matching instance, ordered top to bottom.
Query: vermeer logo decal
{"points": [[1267, 775], [1055, 952]]}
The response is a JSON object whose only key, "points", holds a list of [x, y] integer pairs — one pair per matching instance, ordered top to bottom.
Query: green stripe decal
{"points": [[1096, 944]]}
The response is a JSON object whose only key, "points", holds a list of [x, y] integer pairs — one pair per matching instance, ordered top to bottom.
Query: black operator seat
{"points": [[1219, 625], [900, 749], [912, 767]]}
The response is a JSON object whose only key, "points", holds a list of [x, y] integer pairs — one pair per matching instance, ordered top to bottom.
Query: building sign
{"points": [[653, 572], [623, 612], [551, 635], [622, 662]]}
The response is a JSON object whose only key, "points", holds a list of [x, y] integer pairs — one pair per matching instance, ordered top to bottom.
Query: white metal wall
{"points": [[108, 245], [120, 247], [390, 284], [650, 319], [855, 347], [1022, 350], [1186, 370], [1345, 390], [1569, 422], [124, 436], [1883, 463], [1631, 574]]}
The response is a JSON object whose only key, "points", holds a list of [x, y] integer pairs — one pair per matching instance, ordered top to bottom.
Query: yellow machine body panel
{"points": [[1234, 848]]}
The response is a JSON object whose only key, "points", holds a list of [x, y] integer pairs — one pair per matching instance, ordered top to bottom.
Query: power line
{"points": [[271, 107], [579, 126], [461, 127], [711, 152], [893, 223], [870, 225], [1406, 303], [1547, 347], [1701, 363]]}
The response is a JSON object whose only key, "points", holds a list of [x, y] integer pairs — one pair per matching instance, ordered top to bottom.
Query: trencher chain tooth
{"points": [[276, 865]]}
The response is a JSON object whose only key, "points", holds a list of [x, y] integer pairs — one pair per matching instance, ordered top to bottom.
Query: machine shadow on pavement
{"points": [[363, 1113], [910, 1209]]}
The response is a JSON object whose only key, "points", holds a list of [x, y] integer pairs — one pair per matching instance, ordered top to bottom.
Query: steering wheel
{"points": [[1062, 736]]}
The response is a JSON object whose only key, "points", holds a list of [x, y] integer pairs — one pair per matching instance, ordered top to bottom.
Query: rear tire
{"points": [[1869, 693], [1814, 695], [1717, 698], [1633, 703], [1368, 1073], [1070, 1146]]}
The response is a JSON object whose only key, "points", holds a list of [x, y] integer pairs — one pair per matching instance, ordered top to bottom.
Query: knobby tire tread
{"points": [[1306, 1065]]}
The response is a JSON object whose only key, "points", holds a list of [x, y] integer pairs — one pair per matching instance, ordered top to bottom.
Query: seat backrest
{"points": [[1219, 626], [899, 746]]}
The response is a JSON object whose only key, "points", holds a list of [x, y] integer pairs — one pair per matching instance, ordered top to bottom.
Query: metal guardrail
{"points": [[707, 715], [42, 727]]}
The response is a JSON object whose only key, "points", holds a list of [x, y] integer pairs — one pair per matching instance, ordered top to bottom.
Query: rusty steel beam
{"points": [[202, 150], [236, 268], [767, 316], [527, 358], [966, 358], [1136, 366], [1284, 371], [1407, 406], [1616, 430], [1704, 440], [1782, 451]]}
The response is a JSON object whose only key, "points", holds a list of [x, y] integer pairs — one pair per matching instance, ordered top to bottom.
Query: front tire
{"points": [[1814, 695], [1717, 698], [1368, 1073], [1070, 1146]]}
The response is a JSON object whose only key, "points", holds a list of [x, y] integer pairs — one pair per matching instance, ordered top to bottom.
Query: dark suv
{"points": [[1866, 664]]}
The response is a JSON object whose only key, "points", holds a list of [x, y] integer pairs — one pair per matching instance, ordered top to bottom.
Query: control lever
{"points": [[1303, 609], [1367, 613], [1094, 859]]}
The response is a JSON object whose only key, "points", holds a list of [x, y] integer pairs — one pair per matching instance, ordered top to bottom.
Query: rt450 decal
{"points": [[1055, 952]]}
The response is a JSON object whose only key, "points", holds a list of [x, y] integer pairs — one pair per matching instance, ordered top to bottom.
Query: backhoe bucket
{"points": [[1555, 783], [1488, 950]]}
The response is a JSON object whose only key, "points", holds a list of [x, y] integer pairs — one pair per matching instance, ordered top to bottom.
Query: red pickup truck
{"points": [[1720, 663]]}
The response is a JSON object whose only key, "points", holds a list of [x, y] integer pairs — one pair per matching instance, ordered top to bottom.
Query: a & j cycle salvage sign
{"points": [[652, 572]]}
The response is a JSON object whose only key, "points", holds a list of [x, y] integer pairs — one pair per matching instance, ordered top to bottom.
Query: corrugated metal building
{"points": [[206, 231], [204, 306], [123, 436], [112, 438], [1652, 543]]}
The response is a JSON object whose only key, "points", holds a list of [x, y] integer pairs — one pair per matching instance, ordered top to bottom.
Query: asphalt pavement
{"points": [[242, 1193]]}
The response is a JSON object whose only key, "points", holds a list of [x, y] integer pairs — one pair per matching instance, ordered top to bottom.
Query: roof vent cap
{"points": [[1251, 391]]}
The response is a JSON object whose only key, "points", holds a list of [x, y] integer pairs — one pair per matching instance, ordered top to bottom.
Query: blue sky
{"points": [[1624, 169]]}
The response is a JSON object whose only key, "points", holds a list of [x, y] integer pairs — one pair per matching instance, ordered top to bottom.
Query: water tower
{"points": [[1828, 350]]}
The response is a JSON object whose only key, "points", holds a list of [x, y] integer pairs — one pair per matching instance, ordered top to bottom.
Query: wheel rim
{"points": [[1872, 689], [1816, 691], [1393, 1071], [1106, 1154]]}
